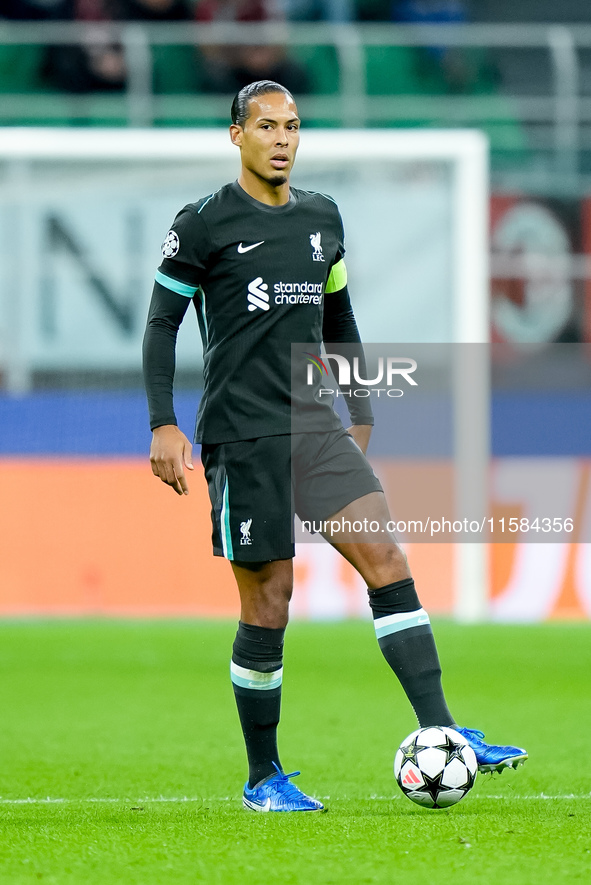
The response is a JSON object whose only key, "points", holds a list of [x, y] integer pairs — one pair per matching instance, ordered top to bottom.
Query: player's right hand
{"points": [[171, 451]]}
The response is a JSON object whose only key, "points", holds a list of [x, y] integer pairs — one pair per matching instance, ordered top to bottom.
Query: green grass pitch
{"points": [[122, 759]]}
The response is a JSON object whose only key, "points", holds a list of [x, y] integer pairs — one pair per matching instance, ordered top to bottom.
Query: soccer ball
{"points": [[435, 767]]}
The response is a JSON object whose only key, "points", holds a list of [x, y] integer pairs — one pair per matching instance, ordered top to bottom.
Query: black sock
{"points": [[405, 637], [256, 672]]}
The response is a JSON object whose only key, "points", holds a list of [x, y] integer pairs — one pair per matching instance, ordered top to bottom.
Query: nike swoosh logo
{"points": [[243, 249], [258, 806]]}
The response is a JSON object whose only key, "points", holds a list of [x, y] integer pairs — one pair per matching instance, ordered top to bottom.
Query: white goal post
{"points": [[118, 157]]}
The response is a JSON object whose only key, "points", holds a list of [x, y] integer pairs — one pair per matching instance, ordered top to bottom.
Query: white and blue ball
{"points": [[435, 767]]}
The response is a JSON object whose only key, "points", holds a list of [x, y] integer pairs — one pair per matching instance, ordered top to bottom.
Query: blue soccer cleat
{"points": [[491, 757], [278, 794]]}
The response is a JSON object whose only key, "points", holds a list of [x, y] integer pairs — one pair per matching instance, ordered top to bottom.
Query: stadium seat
{"points": [[321, 66], [21, 68], [177, 70]]}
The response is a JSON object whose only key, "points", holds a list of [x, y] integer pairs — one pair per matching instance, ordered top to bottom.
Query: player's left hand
{"points": [[361, 434]]}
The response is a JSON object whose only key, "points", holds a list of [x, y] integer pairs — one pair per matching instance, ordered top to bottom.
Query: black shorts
{"points": [[257, 485]]}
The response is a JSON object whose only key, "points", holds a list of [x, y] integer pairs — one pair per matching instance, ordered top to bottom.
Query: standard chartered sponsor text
{"points": [[298, 293]]}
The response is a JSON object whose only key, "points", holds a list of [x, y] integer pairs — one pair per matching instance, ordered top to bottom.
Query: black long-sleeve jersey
{"points": [[261, 278]]}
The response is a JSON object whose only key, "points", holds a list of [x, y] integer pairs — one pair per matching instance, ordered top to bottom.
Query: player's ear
{"points": [[236, 132]]}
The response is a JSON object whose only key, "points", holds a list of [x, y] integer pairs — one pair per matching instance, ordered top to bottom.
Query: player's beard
{"points": [[277, 180]]}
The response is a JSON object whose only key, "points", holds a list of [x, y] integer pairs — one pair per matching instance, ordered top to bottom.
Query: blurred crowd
{"points": [[236, 10], [99, 63]]}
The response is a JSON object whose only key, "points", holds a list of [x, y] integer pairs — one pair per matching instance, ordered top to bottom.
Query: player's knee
{"points": [[387, 563], [275, 595], [266, 601]]}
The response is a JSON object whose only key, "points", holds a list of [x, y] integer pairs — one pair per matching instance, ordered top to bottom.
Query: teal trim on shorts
{"points": [[174, 285], [225, 525]]}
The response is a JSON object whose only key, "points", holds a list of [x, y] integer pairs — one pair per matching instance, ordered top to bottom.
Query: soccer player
{"points": [[235, 254]]}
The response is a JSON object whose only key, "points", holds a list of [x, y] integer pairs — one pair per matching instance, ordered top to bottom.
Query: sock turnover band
{"points": [[254, 679]]}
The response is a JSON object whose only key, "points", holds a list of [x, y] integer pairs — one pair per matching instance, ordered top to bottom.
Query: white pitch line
{"points": [[531, 798], [98, 800], [105, 801]]}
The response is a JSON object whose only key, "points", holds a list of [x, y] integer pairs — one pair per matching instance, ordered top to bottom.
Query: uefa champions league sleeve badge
{"points": [[171, 244]]}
